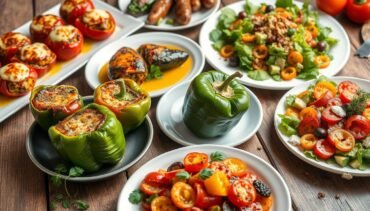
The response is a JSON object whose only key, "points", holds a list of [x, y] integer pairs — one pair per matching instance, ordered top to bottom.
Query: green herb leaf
{"points": [[284, 3], [250, 8], [170, 21], [215, 35], [154, 72], [289, 101], [358, 104], [310, 154], [217, 156], [61, 169], [75, 171], [205, 173], [183, 175], [56, 180], [59, 197], [136, 197], [151, 198], [66, 204], [53, 205], [81, 205]]}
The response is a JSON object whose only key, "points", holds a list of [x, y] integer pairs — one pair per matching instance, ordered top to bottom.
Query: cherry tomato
{"points": [[332, 7], [72, 9], [358, 11], [96, 24], [42, 25], [11, 43], [227, 51], [260, 51], [295, 57], [322, 61], [288, 73], [348, 85], [322, 87], [323, 100], [335, 102], [290, 111], [308, 112], [366, 114], [328, 116], [308, 125], [358, 126], [342, 140], [308, 141], [323, 149], [195, 161], [220, 166], [236, 166], [250, 177], [157, 178], [195, 179], [217, 184], [151, 189], [241, 193], [183, 195], [203, 200], [162, 203], [255, 206], [192, 209]]}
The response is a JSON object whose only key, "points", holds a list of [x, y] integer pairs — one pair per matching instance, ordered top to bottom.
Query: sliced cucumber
{"points": [[341, 160], [355, 164]]}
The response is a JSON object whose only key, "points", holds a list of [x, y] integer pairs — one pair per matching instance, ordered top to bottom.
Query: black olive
{"points": [[269, 8], [242, 15], [321, 46], [234, 61], [320, 133], [175, 166], [261, 188], [227, 206]]}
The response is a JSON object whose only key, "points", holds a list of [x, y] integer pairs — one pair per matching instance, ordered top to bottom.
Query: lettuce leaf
{"points": [[284, 3], [258, 75]]}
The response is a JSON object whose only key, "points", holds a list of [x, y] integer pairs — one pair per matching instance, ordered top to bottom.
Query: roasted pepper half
{"points": [[126, 99], [50, 104], [214, 104], [89, 138]]}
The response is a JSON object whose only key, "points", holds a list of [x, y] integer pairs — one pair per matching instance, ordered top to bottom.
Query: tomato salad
{"points": [[330, 122], [202, 182]]}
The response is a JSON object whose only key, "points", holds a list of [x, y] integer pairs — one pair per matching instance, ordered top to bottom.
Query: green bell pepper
{"points": [[126, 99], [50, 104], [214, 104], [92, 149]]}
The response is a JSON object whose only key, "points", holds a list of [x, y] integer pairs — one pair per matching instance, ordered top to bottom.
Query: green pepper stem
{"points": [[360, 1], [225, 84], [122, 91]]}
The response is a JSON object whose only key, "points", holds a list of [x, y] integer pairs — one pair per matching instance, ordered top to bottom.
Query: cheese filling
{"points": [[69, 5], [95, 17], [43, 21], [66, 33], [14, 40], [36, 51], [14, 72], [110, 89], [55, 97]]}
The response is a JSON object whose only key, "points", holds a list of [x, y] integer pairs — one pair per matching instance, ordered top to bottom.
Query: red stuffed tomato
{"points": [[72, 9], [96, 24], [42, 25], [65, 41], [10, 43], [38, 56], [17, 79]]}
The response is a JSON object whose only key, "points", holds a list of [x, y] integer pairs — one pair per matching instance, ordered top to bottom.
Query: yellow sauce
{"points": [[87, 45], [6, 100]]}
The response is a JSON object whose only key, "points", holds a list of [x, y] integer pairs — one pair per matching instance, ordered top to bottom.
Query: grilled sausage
{"points": [[209, 3], [195, 5], [159, 10], [183, 11]]}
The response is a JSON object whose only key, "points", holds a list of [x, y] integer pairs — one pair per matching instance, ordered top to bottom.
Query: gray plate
{"points": [[46, 158]]}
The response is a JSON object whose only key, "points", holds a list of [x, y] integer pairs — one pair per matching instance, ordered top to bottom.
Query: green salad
{"points": [[278, 41]]}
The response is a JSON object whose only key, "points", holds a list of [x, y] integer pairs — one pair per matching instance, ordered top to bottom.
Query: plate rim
{"points": [[257, 84], [160, 92], [186, 143], [219, 147], [35, 161], [317, 164]]}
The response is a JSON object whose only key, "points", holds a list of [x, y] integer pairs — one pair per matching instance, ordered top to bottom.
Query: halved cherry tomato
{"points": [[235, 24], [313, 29], [307, 36], [248, 37], [227, 51], [260, 51], [295, 57], [322, 61], [258, 64], [288, 73], [322, 87], [347, 91], [323, 100], [335, 102], [290, 111], [308, 112], [366, 114], [328, 116], [308, 125], [358, 126], [342, 140], [308, 141], [323, 149], [195, 161], [220, 166], [236, 166], [250, 177], [157, 178], [195, 179], [217, 184], [151, 189], [241, 193], [183, 195], [203, 200], [161, 203]]}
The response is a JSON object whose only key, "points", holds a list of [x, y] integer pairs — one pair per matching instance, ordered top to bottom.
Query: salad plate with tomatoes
{"points": [[327, 124], [206, 177]]}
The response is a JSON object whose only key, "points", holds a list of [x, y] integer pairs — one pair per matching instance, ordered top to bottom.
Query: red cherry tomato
{"points": [[332, 7], [72, 9], [358, 11], [42, 25], [347, 91], [323, 100], [335, 102], [328, 116], [308, 125], [358, 126], [342, 140], [323, 149], [195, 161], [220, 166], [236, 166], [157, 178], [151, 189], [242, 193], [183, 195], [203, 200], [162, 203]]}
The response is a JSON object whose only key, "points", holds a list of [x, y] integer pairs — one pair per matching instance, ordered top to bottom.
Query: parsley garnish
{"points": [[154, 72], [358, 103], [217, 156], [205, 173], [183, 175], [136, 197]]}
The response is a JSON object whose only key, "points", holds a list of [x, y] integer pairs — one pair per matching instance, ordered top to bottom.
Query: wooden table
{"points": [[25, 187]]}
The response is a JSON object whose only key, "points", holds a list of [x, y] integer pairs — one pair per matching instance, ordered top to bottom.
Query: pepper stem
{"points": [[225, 84], [122, 87]]}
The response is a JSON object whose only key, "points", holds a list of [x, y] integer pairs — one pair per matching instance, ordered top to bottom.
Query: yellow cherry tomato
{"points": [[227, 51], [322, 61], [288, 73], [322, 87], [308, 141], [217, 184]]}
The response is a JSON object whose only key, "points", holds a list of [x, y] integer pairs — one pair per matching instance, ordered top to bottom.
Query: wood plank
{"points": [[9, 20]]}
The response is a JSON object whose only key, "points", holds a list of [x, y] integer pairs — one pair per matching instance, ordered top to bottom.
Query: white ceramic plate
{"points": [[196, 18], [125, 26], [340, 51], [102, 56], [170, 120], [334, 168], [268, 174]]}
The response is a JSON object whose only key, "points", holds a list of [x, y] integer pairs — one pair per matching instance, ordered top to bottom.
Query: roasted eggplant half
{"points": [[161, 56], [127, 63]]}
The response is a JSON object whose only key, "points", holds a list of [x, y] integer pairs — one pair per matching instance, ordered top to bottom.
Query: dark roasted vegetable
{"points": [[139, 7], [262, 188]]}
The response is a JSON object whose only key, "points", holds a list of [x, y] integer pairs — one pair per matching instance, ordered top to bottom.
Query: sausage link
{"points": [[209, 3], [195, 5], [159, 10], [183, 11]]}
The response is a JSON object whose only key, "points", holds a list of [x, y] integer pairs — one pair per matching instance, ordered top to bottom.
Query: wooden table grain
{"points": [[24, 187]]}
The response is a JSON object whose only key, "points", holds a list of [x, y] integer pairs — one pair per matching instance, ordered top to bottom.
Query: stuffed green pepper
{"points": [[126, 99], [50, 104], [214, 104], [89, 138]]}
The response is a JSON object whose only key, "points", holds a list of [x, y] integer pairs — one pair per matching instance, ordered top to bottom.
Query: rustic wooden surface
{"points": [[24, 187]]}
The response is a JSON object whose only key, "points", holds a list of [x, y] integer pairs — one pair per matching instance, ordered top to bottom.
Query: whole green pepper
{"points": [[130, 104], [214, 104], [47, 116], [90, 150]]}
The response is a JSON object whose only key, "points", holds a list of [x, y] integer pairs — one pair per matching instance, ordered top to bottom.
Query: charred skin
{"points": [[208, 3], [195, 5], [159, 10], [183, 11], [162, 56], [126, 63]]}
